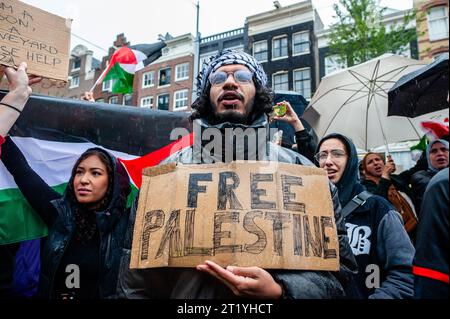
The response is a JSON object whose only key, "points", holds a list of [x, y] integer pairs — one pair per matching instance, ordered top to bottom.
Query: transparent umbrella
{"points": [[354, 102]]}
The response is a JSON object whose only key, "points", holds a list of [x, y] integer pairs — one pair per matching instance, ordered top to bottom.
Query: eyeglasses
{"points": [[241, 76], [335, 154]]}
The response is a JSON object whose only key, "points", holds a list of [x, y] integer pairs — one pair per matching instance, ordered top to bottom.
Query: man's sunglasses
{"points": [[240, 76]]}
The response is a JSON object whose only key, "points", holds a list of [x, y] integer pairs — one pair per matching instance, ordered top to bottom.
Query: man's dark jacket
{"points": [[192, 284]]}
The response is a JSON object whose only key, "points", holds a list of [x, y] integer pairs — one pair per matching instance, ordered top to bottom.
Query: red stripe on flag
{"points": [[123, 55], [438, 129], [134, 167], [430, 273]]}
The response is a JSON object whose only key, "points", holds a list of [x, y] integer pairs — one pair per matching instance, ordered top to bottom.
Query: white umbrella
{"points": [[354, 102]]}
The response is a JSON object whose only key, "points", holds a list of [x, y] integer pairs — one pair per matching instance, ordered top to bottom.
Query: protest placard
{"points": [[35, 36], [271, 215]]}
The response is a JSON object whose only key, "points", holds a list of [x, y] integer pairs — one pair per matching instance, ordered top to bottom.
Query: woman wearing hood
{"points": [[437, 158], [87, 224], [377, 237]]}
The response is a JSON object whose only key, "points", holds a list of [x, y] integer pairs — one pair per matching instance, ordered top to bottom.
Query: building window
{"points": [[438, 23], [300, 43], [280, 48], [260, 51], [76, 64], [332, 64], [182, 72], [164, 77], [148, 79], [281, 81], [74, 82], [302, 82], [107, 85], [100, 100], [113, 100], [127, 100], [180, 100], [147, 101], [163, 102]]}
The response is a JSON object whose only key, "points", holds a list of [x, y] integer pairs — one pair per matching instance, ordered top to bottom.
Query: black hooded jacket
{"points": [[57, 211], [377, 237]]}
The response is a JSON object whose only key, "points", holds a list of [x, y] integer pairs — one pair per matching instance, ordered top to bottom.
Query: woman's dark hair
{"points": [[263, 103], [107, 161]]}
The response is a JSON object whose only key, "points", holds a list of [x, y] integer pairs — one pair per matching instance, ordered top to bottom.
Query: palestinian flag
{"points": [[125, 62], [52, 134]]}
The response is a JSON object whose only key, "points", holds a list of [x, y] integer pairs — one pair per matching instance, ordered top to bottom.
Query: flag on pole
{"points": [[124, 64]]}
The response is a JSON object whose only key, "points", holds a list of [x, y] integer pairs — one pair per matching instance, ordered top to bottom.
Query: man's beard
{"points": [[231, 116]]}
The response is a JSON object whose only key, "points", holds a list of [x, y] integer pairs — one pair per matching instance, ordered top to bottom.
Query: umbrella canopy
{"points": [[422, 91], [354, 102]]}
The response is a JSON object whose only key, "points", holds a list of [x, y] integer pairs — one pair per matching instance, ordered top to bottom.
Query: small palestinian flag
{"points": [[124, 63]]}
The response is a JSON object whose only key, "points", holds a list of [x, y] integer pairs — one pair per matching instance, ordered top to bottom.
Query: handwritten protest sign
{"points": [[37, 37], [275, 216]]}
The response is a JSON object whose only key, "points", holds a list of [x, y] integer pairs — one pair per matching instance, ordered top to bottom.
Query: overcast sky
{"points": [[99, 21]]}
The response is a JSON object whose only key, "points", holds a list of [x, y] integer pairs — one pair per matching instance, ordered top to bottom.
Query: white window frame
{"points": [[442, 36], [293, 43], [273, 47], [267, 50], [73, 62], [184, 69], [286, 73], [159, 77], [144, 80], [310, 82], [74, 84], [107, 85], [113, 97], [124, 97], [176, 99], [150, 103]]}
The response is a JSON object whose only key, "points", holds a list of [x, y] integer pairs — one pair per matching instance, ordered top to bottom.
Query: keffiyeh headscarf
{"points": [[229, 57], [431, 168]]}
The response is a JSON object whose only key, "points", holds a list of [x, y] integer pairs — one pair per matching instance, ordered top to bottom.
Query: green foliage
{"points": [[359, 35]]}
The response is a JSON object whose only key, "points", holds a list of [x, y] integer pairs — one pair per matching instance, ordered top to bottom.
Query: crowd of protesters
{"points": [[380, 217]]}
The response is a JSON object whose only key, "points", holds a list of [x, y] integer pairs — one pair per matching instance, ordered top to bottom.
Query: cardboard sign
{"points": [[34, 36], [270, 215]]}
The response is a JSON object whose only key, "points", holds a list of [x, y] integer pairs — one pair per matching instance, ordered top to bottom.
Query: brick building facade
{"points": [[432, 26], [167, 83]]}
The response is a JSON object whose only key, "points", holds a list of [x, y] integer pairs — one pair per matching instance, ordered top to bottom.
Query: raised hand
{"points": [[19, 84], [88, 96], [14, 101], [290, 117], [389, 168], [252, 282]]}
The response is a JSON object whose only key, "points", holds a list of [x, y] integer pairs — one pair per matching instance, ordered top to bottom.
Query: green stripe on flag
{"points": [[124, 80], [132, 196], [18, 221]]}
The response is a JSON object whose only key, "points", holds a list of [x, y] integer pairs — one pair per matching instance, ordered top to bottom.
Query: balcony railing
{"points": [[223, 35]]}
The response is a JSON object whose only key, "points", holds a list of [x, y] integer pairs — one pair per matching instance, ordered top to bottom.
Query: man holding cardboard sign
{"points": [[247, 216]]}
